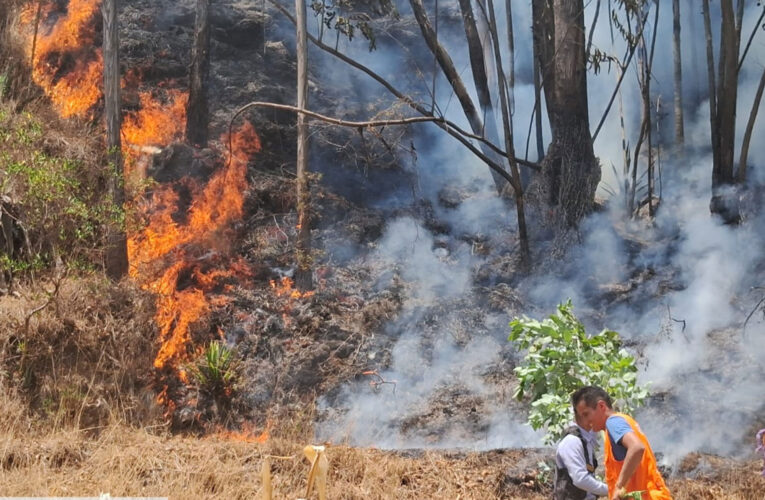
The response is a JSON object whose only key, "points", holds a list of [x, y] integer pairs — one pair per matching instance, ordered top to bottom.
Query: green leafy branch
{"points": [[560, 358]]}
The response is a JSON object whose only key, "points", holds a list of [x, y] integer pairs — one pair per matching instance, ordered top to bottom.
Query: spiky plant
{"points": [[216, 372]]}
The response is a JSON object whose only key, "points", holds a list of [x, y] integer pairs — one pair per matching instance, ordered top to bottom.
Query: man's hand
{"points": [[619, 493]]}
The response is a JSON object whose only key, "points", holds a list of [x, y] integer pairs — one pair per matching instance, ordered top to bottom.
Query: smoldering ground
{"points": [[677, 289]]}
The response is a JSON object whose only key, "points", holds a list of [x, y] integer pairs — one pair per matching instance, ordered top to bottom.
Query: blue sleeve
{"points": [[617, 427]]}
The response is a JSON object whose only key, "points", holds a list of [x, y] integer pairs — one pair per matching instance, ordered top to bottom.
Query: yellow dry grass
{"points": [[77, 418], [142, 462]]}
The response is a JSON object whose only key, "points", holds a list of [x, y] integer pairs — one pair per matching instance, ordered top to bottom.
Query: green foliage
{"points": [[347, 17], [4, 84], [61, 201], [35, 263], [560, 358], [216, 372]]}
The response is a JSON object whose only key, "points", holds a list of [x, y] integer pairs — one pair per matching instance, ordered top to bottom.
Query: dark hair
{"points": [[590, 395]]}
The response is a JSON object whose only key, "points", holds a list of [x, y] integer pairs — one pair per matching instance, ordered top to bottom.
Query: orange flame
{"points": [[66, 64], [69, 69], [156, 123], [213, 207], [285, 289], [245, 435]]}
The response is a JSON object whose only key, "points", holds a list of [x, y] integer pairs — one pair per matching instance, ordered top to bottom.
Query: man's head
{"points": [[592, 407]]}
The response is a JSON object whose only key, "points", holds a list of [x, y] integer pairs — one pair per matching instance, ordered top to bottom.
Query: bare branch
{"points": [[751, 37], [624, 65], [450, 127]]}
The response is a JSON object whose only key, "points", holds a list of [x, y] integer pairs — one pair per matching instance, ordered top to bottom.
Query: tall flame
{"points": [[66, 64], [68, 67], [213, 207]]}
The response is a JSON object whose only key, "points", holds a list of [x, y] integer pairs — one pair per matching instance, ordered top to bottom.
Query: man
{"points": [[630, 463], [575, 464]]}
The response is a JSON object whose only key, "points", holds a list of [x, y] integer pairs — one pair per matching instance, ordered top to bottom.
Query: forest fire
{"points": [[65, 63], [157, 123], [164, 239], [171, 254], [285, 288]]}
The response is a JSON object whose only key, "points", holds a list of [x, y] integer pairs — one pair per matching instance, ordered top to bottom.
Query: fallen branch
{"points": [[442, 122], [669, 313]]}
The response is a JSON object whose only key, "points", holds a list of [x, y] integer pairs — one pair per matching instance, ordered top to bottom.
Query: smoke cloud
{"points": [[677, 289]]}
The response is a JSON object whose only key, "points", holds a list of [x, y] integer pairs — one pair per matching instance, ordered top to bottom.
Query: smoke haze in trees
{"points": [[687, 266]]}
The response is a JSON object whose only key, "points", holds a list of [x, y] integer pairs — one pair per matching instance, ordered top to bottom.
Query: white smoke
{"points": [[686, 266]]}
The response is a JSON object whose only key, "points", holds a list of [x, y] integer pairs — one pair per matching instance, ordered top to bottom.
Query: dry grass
{"points": [[78, 355], [131, 462]]}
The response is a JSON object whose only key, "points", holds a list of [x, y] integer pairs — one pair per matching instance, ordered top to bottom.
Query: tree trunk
{"points": [[543, 26], [511, 57], [678, 74], [453, 77], [480, 78], [712, 87], [727, 87], [504, 100], [538, 108], [197, 114], [571, 170], [741, 177], [725, 201], [116, 260], [303, 274]]}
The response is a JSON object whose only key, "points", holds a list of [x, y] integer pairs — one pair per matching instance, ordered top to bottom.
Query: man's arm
{"points": [[635, 450], [571, 454]]}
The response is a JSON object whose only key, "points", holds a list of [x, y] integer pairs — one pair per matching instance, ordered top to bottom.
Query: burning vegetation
{"points": [[176, 250], [224, 340]]}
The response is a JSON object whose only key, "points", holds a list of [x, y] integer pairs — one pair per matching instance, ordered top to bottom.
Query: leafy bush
{"points": [[58, 193], [560, 358]]}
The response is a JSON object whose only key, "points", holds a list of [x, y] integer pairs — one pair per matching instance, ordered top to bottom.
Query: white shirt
{"points": [[570, 455]]}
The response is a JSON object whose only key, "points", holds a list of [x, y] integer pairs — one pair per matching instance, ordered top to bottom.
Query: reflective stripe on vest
{"points": [[646, 477]]}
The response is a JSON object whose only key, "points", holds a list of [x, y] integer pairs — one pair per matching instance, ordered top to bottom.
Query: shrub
{"points": [[59, 195], [560, 358], [216, 372]]}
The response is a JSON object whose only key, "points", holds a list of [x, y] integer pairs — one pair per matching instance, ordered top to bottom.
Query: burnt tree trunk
{"points": [[678, 77], [711, 86], [727, 86], [197, 113], [571, 171], [741, 176], [724, 201], [116, 258], [303, 274]]}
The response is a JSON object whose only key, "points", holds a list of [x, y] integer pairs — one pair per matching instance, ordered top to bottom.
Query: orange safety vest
{"points": [[646, 477]]}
